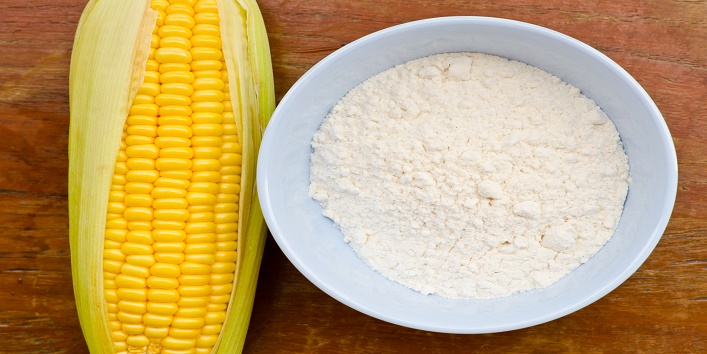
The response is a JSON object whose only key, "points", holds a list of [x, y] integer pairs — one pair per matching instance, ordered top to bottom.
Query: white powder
{"points": [[470, 175]]}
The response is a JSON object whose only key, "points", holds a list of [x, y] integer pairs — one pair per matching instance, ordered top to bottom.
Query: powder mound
{"points": [[470, 176]]}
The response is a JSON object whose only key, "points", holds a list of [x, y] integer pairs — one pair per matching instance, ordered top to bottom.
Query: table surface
{"points": [[662, 308]]}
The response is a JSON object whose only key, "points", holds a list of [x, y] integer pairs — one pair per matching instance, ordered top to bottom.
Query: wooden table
{"points": [[662, 308]]}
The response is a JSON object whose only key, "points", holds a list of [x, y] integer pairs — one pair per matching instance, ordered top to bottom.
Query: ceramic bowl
{"points": [[316, 247]]}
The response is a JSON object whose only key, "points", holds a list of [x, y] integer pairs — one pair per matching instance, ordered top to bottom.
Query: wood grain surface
{"points": [[662, 308]]}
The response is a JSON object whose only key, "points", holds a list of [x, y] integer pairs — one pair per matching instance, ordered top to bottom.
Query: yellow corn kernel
{"points": [[206, 6], [181, 7], [207, 18], [180, 19], [206, 29], [173, 31], [202, 40], [177, 88], [166, 99], [212, 107], [207, 117], [179, 131], [229, 139], [139, 140], [169, 142], [149, 151], [207, 152], [230, 159], [167, 164], [205, 165], [121, 168], [177, 174], [146, 175], [119, 179], [234, 179], [172, 183], [204, 187], [138, 188], [230, 188], [116, 196], [195, 198], [226, 198], [139, 200], [170, 203], [200, 208], [138, 214], [171, 214], [200, 217], [224, 218], [117, 224], [168, 224], [140, 225], [199, 227], [117, 235], [165, 235], [140, 236], [201, 238], [226, 239], [227, 242], [168, 247], [132, 248], [200, 248], [113, 254], [228, 256], [200, 258], [141, 260], [223, 267], [194, 268], [165, 270], [135, 271], [194, 279], [216, 279], [127, 281], [156, 282], [221, 289], [128, 294], [111, 295], [163, 295], [132, 306], [216, 307], [162, 308], [191, 312], [215, 317], [131, 318], [154, 320], [186, 323], [211, 329], [156, 332], [184, 332], [119, 336], [138, 340], [206, 340], [181, 343], [120, 346]]}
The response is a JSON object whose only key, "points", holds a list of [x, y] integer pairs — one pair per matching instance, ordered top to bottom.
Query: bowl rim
{"points": [[310, 274]]}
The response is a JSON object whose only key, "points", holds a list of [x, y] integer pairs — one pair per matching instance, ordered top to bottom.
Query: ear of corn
{"points": [[134, 291]]}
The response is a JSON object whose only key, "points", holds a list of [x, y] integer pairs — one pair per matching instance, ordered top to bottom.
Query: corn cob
{"points": [[168, 102]]}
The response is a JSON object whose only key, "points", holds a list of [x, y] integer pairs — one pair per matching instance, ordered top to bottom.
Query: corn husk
{"points": [[107, 67]]}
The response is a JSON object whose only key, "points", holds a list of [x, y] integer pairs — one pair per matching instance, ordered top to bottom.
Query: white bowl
{"points": [[316, 247]]}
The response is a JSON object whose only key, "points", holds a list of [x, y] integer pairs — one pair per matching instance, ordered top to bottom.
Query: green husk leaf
{"points": [[246, 46], [107, 66]]}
